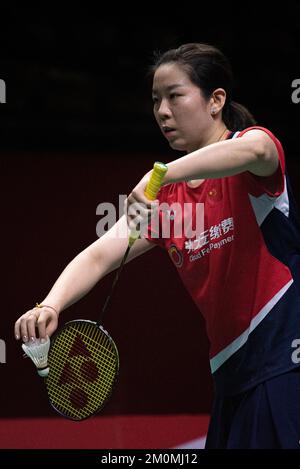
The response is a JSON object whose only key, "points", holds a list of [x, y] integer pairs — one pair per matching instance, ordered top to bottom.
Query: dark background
{"points": [[78, 130]]}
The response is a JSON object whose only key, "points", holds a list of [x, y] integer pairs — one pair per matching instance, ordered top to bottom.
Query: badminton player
{"points": [[242, 269]]}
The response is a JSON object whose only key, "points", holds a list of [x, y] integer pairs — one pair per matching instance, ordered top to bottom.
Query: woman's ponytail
{"points": [[237, 117]]}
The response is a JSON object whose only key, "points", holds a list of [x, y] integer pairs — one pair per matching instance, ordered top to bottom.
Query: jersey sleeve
{"points": [[272, 185]]}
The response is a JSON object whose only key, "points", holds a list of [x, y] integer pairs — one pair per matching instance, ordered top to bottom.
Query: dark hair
{"points": [[209, 69]]}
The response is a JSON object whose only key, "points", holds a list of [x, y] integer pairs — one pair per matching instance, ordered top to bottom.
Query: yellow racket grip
{"points": [[156, 179], [151, 191]]}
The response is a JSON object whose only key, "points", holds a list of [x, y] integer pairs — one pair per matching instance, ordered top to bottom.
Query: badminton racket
{"points": [[83, 359]]}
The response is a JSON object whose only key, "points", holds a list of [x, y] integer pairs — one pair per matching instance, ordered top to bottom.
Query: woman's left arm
{"points": [[255, 152]]}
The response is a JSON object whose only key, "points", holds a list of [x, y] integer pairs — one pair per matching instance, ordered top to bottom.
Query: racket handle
{"points": [[156, 179], [153, 186]]}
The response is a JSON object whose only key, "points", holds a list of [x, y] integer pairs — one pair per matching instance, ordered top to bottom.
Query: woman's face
{"points": [[180, 109]]}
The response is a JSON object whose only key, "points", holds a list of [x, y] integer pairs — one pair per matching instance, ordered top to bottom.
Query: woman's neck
{"points": [[218, 135], [214, 139]]}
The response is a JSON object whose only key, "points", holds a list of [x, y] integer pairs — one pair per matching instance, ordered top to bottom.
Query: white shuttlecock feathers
{"points": [[38, 350]]}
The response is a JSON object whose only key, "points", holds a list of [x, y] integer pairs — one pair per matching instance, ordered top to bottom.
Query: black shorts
{"points": [[266, 416]]}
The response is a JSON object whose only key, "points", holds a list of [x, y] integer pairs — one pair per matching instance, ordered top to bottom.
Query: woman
{"points": [[240, 269]]}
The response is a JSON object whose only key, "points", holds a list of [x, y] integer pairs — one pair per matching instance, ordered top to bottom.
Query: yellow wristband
{"points": [[38, 305]]}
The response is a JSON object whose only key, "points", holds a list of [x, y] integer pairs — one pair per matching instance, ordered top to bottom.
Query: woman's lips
{"points": [[168, 131]]}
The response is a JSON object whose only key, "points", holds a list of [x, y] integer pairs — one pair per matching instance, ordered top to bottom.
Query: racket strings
{"points": [[83, 365], [74, 399]]}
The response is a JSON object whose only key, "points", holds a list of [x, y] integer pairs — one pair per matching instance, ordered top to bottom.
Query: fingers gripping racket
{"points": [[83, 359]]}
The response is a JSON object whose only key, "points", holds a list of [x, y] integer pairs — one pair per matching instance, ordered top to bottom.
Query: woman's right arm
{"points": [[78, 278]]}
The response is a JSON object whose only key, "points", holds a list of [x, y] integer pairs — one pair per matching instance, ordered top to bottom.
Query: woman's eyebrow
{"points": [[168, 88]]}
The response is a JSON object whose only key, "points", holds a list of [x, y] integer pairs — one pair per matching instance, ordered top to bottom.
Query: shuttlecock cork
{"points": [[38, 350]]}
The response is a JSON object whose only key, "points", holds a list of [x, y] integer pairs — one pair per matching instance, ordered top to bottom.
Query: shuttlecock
{"points": [[37, 350]]}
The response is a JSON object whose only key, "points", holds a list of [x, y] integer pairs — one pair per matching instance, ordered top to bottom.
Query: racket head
{"points": [[83, 365]]}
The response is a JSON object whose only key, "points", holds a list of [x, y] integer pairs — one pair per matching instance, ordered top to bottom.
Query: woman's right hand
{"points": [[43, 320]]}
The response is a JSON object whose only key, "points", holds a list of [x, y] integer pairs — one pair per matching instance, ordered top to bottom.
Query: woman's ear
{"points": [[217, 99]]}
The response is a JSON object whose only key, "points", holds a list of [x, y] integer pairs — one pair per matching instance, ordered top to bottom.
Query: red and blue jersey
{"points": [[242, 268]]}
